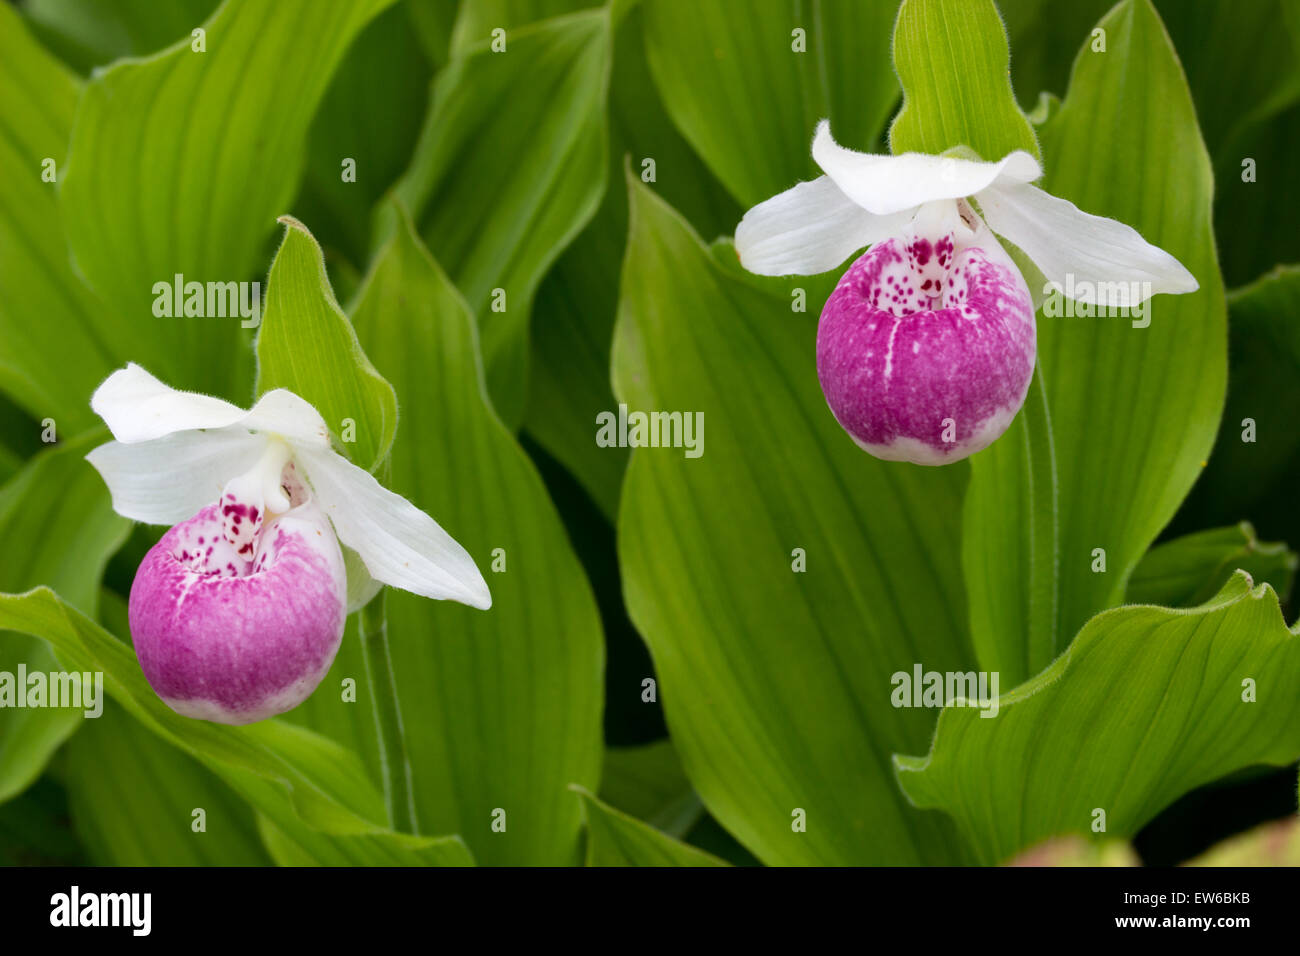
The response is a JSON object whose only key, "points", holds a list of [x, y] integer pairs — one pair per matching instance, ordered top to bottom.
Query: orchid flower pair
{"points": [[925, 350], [238, 611]]}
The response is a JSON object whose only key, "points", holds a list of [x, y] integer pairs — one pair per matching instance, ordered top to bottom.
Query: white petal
{"points": [[889, 184], [809, 229], [1095, 253], [137, 407], [283, 413], [170, 479], [399, 544]]}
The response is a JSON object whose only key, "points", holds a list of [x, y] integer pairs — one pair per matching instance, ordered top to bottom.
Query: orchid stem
{"points": [[399, 790]]}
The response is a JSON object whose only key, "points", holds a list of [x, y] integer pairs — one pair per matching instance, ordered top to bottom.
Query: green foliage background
{"points": [[538, 230]]}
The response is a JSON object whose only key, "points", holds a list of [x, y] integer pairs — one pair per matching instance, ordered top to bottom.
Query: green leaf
{"points": [[433, 21], [476, 21], [90, 33], [1045, 37], [852, 45], [951, 57], [1241, 59], [1242, 63], [1243, 68], [748, 101], [371, 116], [640, 128], [179, 164], [509, 168], [1248, 202], [573, 320], [56, 334], [308, 346], [568, 376], [1134, 410], [18, 433], [1252, 471], [58, 519], [60, 530], [707, 546], [1010, 547], [1190, 570], [507, 702], [1145, 705], [350, 720], [390, 735], [301, 781], [648, 782], [133, 799], [35, 829], [616, 839], [297, 845]]}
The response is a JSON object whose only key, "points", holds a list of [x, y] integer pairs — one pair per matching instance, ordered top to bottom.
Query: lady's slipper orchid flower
{"points": [[925, 349], [238, 611]]}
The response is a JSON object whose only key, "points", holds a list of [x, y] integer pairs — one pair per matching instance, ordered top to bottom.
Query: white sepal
{"points": [[890, 184], [808, 229], [1098, 253], [138, 407], [170, 479], [400, 545]]}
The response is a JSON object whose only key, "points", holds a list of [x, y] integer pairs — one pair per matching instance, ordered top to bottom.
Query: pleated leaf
{"points": [[747, 85], [179, 165], [509, 167], [58, 337], [308, 346], [59, 530], [776, 681], [1145, 705], [501, 707], [300, 780], [616, 839]]}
